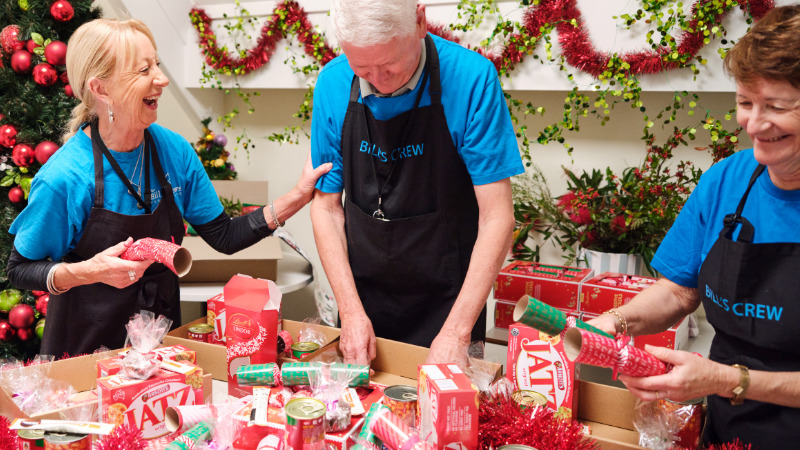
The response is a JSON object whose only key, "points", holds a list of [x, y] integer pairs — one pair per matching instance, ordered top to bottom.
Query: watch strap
{"points": [[741, 389]]}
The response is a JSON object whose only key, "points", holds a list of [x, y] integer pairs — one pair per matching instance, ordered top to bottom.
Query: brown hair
{"points": [[770, 50], [93, 52]]}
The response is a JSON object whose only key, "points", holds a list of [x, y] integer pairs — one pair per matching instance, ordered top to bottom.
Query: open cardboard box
{"points": [[80, 372], [608, 411]]}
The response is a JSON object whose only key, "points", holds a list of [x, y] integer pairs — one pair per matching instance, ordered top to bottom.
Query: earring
{"points": [[110, 115]]}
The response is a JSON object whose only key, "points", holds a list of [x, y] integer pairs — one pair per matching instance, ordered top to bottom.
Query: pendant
{"points": [[378, 214]]}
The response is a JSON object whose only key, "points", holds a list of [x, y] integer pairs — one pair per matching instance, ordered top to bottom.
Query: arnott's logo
{"points": [[241, 326]]}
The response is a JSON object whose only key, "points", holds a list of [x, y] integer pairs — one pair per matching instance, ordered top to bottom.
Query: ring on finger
{"points": [[132, 275], [658, 395]]}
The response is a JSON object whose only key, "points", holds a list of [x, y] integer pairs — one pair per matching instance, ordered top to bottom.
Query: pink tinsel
{"points": [[124, 437], [8, 438]]}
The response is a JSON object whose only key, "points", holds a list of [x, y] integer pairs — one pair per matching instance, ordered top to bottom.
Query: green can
{"points": [[301, 349], [298, 373], [257, 374], [305, 424]]}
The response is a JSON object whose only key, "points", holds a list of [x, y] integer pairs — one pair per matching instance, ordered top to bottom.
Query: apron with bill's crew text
{"points": [[411, 216], [750, 294], [87, 317]]}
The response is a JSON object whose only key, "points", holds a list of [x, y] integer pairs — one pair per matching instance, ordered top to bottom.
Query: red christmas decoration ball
{"points": [[62, 11], [9, 39], [31, 45], [56, 53], [21, 61], [45, 74], [64, 77], [68, 91], [8, 135], [45, 150], [23, 155], [15, 194], [38, 294], [41, 304], [21, 316], [6, 331], [25, 334]]}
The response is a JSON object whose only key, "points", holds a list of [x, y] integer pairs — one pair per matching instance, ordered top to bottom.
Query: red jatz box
{"points": [[558, 286], [611, 290], [252, 307], [504, 313], [216, 318], [177, 353], [537, 362], [143, 403], [447, 407]]}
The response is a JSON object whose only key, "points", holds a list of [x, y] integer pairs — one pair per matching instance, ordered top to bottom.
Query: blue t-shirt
{"points": [[474, 106], [62, 192], [774, 213]]}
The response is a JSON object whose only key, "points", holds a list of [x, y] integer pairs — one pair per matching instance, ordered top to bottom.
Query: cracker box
{"points": [[558, 286], [611, 290], [252, 309], [504, 313], [216, 318], [675, 338], [178, 353], [537, 362], [143, 403], [447, 407]]}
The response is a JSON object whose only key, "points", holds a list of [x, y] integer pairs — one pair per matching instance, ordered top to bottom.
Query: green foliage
{"points": [[210, 148]]}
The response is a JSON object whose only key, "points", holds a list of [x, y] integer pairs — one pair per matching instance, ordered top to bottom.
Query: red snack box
{"points": [[558, 286], [611, 290], [252, 307], [503, 313], [216, 318], [675, 338], [177, 353], [537, 362], [143, 403], [447, 407]]}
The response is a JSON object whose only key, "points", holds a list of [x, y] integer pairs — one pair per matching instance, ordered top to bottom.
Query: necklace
{"points": [[138, 167]]}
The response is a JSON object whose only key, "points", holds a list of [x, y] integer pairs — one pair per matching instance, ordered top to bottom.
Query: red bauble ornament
{"points": [[62, 11], [9, 39], [31, 45], [56, 53], [21, 61], [45, 74], [64, 77], [68, 91], [8, 135], [45, 150], [23, 155], [15, 194], [38, 294], [41, 304], [21, 316], [6, 331], [25, 334]]}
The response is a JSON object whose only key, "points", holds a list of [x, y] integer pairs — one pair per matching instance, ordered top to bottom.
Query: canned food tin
{"points": [[201, 332], [301, 349], [257, 374], [529, 399], [402, 401], [692, 417], [305, 429], [31, 439], [66, 441], [515, 447]]}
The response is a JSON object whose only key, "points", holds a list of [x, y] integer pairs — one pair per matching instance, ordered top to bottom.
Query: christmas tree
{"points": [[35, 105], [210, 148]]}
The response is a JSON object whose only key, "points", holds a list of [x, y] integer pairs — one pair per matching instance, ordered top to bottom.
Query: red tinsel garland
{"points": [[578, 50], [124, 437], [8, 438]]}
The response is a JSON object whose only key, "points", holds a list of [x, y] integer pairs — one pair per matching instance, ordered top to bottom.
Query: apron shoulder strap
{"points": [[432, 56], [98, 144], [731, 220]]}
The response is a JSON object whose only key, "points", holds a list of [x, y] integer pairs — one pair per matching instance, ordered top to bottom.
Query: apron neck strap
{"points": [[731, 220]]}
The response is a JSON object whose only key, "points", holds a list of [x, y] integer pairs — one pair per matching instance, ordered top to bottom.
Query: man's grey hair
{"points": [[363, 23]]}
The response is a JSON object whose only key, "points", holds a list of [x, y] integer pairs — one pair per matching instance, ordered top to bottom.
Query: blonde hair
{"points": [[93, 53]]}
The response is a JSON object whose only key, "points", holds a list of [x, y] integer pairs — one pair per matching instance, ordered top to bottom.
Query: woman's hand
{"points": [[308, 179], [105, 267]]}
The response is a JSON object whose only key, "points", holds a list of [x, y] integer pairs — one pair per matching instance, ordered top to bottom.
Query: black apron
{"points": [[411, 216], [750, 297], [87, 317]]}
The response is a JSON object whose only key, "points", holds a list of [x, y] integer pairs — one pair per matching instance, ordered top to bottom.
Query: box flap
{"points": [[267, 248], [248, 293], [605, 404], [613, 438]]}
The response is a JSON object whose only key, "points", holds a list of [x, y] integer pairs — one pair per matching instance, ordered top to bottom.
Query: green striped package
{"points": [[297, 373]]}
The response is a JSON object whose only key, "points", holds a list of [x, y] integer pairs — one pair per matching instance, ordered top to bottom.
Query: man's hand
{"points": [[357, 340], [449, 347]]}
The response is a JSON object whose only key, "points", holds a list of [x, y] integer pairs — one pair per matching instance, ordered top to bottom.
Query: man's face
{"points": [[386, 66]]}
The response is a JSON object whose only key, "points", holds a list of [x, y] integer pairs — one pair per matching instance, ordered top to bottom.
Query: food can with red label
{"points": [[201, 332], [301, 349], [529, 399], [402, 401], [692, 417], [305, 424], [30, 439], [66, 441]]}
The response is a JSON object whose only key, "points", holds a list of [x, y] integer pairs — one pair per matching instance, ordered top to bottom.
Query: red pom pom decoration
{"points": [[62, 11], [9, 39], [31, 45], [56, 53], [21, 61], [45, 74], [8, 135], [45, 150], [23, 155], [15, 194], [41, 304], [21, 316], [7, 332], [25, 334], [124, 437]]}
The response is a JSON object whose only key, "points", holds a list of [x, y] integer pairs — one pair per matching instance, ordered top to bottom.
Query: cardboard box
{"points": [[251, 192], [210, 266], [558, 286], [611, 290], [504, 313], [675, 338], [537, 362], [80, 373], [447, 407], [609, 412]]}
